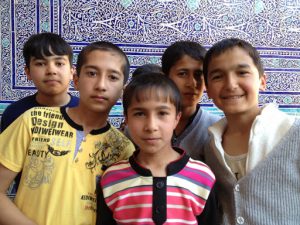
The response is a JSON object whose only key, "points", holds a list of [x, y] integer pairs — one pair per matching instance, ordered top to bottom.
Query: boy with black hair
{"points": [[182, 62], [48, 63], [146, 68], [64, 151], [254, 151], [159, 184]]}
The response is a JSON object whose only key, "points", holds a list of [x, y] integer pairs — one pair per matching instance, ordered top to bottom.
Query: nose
{"points": [[51, 68], [191, 81], [231, 82], [101, 83], [151, 123]]}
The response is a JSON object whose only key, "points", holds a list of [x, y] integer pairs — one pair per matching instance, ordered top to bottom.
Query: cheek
{"points": [[200, 87], [251, 88], [116, 90]]}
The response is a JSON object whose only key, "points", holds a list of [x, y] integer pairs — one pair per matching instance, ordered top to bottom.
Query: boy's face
{"points": [[51, 75], [187, 75], [234, 82], [100, 83], [151, 124]]}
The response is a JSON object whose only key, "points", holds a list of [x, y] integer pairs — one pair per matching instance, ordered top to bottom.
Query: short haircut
{"points": [[46, 44], [227, 44], [102, 46], [179, 49], [146, 68], [151, 85]]}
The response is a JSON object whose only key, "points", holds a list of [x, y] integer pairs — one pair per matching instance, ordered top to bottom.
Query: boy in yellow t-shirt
{"points": [[63, 151]]}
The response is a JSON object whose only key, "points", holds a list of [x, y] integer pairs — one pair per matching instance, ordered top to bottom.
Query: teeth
{"points": [[233, 97]]}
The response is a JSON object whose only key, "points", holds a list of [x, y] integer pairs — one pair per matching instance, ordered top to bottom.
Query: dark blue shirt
{"points": [[14, 110]]}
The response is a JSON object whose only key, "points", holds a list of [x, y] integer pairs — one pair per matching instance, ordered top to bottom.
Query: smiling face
{"points": [[51, 75], [187, 75], [100, 82], [234, 82], [151, 122]]}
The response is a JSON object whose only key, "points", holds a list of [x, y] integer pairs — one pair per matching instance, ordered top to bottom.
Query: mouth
{"points": [[51, 81], [190, 94], [232, 97], [100, 98], [151, 140]]}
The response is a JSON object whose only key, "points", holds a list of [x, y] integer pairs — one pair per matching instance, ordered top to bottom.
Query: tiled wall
{"points": [[143, 29]]}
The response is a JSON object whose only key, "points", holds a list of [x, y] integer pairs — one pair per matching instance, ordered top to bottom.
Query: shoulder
{"points": [[21, 105], [15, 109], [116, 132], [120, 165], [200, 167], [117, 170]]}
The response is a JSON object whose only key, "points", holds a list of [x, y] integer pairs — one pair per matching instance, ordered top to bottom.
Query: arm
{"points": [[211, 212], [9, 213], [104, 214]]}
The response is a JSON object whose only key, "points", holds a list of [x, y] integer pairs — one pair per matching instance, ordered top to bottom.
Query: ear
{"points": [[73, 71], [27, 72], [76, 81], [263, 82], [203, 83], [178, 116]]}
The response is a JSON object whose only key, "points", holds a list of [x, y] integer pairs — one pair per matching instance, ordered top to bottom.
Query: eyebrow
{"points": [[55, 58], [243, 65], [239, 66], [90, 67], [97, 68], [186, 69], [143, 108]]}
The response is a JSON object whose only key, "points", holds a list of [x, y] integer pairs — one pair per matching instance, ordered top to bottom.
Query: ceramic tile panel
{"points": [[144, 28]]}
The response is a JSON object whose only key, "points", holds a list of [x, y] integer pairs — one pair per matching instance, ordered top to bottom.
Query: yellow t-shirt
{"points": [[60, 167]]}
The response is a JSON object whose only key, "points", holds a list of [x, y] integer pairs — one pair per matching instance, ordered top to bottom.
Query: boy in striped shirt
{"points": [[159, 184]]}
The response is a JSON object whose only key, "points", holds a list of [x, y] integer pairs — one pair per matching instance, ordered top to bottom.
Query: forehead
{"points": [[52, 57], [231, 58], [103, 59], [187, 61], [157, 94], [151, 104]]}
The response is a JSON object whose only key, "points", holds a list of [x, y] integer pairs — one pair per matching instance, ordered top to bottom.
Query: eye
{"points": [[39, 63], [60, 63], [243, 72], [91, 73], [182, 73], [198, 76], [215, 76], [114, 77], [163, 113], [138, 114]]}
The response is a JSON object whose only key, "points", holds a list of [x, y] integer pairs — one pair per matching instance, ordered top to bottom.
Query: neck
{"points": [[58, 100], [187, 113], [87, 119], [241, 122], [157, 163]]}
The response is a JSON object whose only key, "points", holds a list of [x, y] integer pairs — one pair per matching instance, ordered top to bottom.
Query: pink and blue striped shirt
{"points": [[134, 196]]}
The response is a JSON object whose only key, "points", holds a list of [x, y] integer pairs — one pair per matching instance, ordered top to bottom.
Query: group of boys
{"points": [[62, 154]]}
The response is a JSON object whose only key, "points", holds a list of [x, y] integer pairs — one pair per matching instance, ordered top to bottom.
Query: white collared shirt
{"points": [[267, 130]]}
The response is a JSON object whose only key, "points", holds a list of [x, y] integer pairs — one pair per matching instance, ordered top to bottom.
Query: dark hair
{"points": [[230, 43], [46, 44], [102, 46], [179, 49], [146, 68], [147, 85]]}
